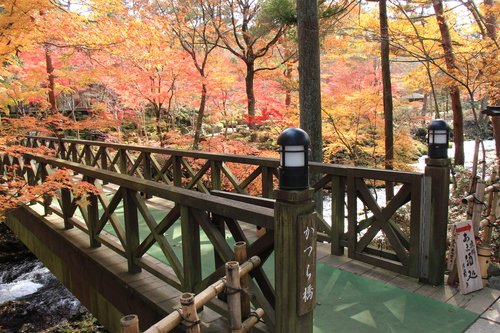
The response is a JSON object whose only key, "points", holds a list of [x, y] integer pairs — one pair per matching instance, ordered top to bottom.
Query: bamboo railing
{"points": [[187, 315]]}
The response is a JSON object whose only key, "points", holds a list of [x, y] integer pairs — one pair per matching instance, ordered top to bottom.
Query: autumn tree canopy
{"points": [[175, 73]]}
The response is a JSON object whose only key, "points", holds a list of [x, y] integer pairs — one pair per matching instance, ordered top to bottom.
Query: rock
{"points": [[494, 269], [494, 282]]}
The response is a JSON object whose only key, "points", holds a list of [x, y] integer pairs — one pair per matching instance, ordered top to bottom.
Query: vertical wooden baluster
{"points": [[131, 229]]}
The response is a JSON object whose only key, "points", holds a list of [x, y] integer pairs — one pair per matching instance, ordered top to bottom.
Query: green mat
{"points": [[347, 302], [354, 304]]}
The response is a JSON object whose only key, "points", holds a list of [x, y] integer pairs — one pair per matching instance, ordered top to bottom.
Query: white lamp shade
{"points": [[438, 136], [293, 156]]}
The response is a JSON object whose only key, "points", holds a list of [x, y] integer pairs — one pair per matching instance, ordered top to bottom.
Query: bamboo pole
{"points": [[487, 190], [478, 206], [489, 221], [484, 254], [240, 255], [233, 288], [189, 314], [173, 319], [252, 320], [129, 324]]}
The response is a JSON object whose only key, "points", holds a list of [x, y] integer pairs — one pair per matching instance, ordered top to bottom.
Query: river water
{"points": [[29, 281], [29, 293]]}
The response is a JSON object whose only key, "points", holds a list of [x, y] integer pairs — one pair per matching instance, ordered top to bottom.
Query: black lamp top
{"points": [[438, 124], [293, 136]]}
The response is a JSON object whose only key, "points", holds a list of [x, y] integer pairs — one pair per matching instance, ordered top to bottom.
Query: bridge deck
{"points": [[484, 305]]}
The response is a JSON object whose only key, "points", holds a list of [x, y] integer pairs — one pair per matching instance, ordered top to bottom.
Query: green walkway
{"points": [[349, 303]]}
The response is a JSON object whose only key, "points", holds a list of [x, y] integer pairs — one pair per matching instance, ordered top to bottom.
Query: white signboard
{"points": [[469, 272]]}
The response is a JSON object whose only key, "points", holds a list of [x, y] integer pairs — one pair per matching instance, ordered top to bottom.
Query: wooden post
{"points": [[88, 154], [104, 161], [123, 161], [177, 169], [147, 170], [439, 171], [47, 199], [66, 207], [92, 215], [338, 215], [131, 229], [191, 252], [240, 255], [295, 266], [233, 290], [189, 314], [129, 324]]}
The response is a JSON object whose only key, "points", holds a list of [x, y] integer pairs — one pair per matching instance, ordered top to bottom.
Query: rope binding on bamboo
{"points": [[184, 319]]}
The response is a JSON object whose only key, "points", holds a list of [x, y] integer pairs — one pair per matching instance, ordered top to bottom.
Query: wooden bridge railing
{"points": [[349, 189], [196, 211]]}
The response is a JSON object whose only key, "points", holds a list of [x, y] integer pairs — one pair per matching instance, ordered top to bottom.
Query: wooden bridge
{"points": [[148, 192]]}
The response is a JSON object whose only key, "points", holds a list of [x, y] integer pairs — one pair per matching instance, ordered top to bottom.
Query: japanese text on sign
{"points": [[467, 260], [306, 264]]}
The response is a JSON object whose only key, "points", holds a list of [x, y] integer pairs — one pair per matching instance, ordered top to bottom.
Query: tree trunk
{"points": [[249, 79], [310, 82], [51, 84], [288, 91], [387, 95], [456, 105], [199, 119]]}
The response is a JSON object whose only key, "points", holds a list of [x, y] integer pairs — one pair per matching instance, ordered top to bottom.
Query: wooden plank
{"points": [[263, 202], [352, 213], [338, 214], [191, 253], [469, 272]]}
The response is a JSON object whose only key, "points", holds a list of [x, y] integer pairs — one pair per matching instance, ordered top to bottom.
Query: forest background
{"points": [[221, 75]]}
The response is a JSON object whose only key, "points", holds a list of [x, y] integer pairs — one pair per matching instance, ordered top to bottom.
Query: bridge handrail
{"points": [[323, 168], [347, 185], [217, 205], [190, 207]]}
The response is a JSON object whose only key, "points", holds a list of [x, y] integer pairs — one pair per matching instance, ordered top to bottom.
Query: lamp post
{"points": [[439, 136], [294, 151], [438, 170], [295, 236]]}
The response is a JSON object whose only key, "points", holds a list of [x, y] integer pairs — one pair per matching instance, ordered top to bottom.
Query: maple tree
{"points": [[249, 34], [199, 40], [175, 67]]}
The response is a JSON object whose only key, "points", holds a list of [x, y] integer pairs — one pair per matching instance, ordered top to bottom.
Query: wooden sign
{"points": [[452, 254], [306, 259], [469, 272]]}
